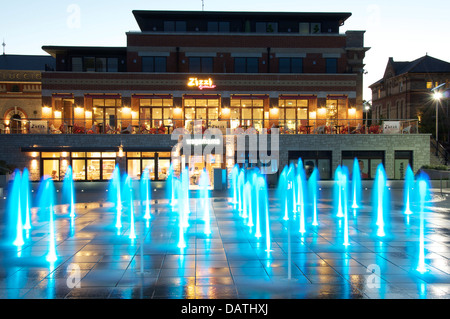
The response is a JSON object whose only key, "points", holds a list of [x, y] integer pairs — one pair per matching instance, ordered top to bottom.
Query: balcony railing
{"points": [[336, 126]]}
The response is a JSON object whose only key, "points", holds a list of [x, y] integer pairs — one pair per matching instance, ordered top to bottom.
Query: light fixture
{"points": [[437, 95], [352, 111], [121, 151]]}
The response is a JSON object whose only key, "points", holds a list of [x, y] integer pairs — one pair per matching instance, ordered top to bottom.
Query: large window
{"points": [[174, 26], [215, 26], [263, 27], [95, 64], [154, 64], [200, 65], [246, 65], [290, 65], [331, 65], [336, 109], [206, 110], [155, 112], [251, 112], [105, 114], [293, 115], [312, 159], [368, 162], [401, 162], [156, 163], [91, 166]]}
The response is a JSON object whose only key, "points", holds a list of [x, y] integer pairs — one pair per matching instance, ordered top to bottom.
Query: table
{"points": [[308, 128]]}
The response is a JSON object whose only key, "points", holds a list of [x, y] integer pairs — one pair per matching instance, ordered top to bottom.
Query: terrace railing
{"points": [[286, 126]]}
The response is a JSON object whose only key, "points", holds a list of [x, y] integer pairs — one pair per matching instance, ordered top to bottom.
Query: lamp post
{"points": [[437, 97], [367, 108]]}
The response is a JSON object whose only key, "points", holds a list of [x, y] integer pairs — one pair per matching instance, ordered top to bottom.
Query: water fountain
{"points": [[234, 185], [356, 185], [313, 189], [408, 189], [68, 191], [337, 191], [145, 192], [302, 195], [115, 196], [423, 196], [184, 197], [204, 197], [26, 199], [46, 199], [380, 199], [129, 200], [15, 209], [181, 225]]}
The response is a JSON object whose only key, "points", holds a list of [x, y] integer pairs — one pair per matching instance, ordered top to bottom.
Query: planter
{"points": [[436, 174]]}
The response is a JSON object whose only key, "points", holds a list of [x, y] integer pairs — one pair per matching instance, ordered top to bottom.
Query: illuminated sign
{"points": [[201, 84]]}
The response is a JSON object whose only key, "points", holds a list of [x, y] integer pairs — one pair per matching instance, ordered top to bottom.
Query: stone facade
{"points": [[13, 146]]}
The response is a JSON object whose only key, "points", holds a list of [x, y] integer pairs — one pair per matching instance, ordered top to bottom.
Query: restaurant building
{"points": [[254, 71]]}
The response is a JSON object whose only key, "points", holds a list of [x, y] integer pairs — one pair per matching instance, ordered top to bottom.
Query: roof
{"points": [[142, 16], [53, 50], [27, 62], [425, 64]]}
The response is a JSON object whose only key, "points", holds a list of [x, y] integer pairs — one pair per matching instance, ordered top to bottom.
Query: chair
{"points": [[54, 130], [110, 130], [128, 130], [319, 130], [357, 130], [407, 130]]}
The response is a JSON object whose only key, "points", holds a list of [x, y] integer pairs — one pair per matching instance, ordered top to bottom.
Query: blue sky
{"points": [[404, 30]]}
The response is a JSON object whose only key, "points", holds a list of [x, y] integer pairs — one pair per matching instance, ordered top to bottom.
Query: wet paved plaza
{"points": [[95, 261]]}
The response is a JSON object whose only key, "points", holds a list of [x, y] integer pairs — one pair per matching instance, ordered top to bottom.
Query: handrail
{"points": [[133, 126], [440, 151]]}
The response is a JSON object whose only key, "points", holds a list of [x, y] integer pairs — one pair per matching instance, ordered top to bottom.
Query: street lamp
{"points": [[437, 97], [367, 108]]}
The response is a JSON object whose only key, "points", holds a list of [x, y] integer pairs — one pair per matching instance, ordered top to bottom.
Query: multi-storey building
{"points": [[228, 70], [20, 89], [406, 92]]}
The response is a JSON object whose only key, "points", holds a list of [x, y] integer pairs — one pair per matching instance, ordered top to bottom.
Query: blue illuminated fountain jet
{"points": [[234, 185], [356, 185], [408, 189], [68, 190], [145, 191], [312, 191], [337, 191], [115, 193], [423, 194], [302, 195], [25, 196], [129, 199], [380, 199], [205, 201], [47, 207], [15, 210], [181, 212]]}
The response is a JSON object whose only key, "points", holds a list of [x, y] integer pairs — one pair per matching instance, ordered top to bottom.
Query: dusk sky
{"points": [[404, 30]]}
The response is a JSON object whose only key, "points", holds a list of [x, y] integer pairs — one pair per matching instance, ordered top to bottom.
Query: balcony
{"points": [[256, 126]]}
